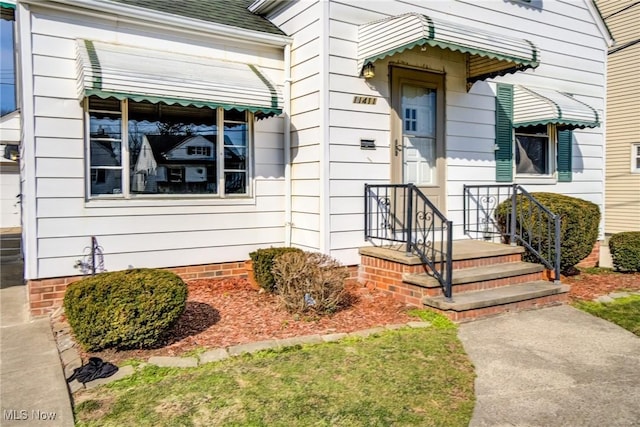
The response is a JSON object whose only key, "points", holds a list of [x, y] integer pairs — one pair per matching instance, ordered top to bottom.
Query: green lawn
{"points": [[624, 312], [403, 377]]}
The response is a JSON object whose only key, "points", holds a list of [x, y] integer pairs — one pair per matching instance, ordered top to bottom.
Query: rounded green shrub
{"points": [[579, 220], [625, 250], [263, 263], [124, 309]]}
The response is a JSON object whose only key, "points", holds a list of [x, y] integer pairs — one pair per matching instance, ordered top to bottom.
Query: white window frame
{"points": [[552, 153], [635, 157], [126, 184]]}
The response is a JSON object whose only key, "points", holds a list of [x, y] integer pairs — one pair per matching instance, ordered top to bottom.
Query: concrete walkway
{"points": [[556, 366], [33, 389]]}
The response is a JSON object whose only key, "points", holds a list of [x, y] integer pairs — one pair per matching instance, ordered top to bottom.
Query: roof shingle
{"points": [[227, 12]]}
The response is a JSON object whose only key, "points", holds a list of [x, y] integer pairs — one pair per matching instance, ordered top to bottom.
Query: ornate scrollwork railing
{"points": [[402, 213], [526, 221]]}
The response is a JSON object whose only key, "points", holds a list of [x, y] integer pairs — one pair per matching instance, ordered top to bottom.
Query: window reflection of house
{"points": [[176, 164], [104, 180]]}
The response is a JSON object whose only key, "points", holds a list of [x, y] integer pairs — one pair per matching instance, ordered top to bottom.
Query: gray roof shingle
{"points": [[227, 12]]}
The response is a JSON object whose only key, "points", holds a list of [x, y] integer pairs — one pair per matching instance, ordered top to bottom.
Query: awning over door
{"points": [[490, 54], [110, 70], [537, 106]]}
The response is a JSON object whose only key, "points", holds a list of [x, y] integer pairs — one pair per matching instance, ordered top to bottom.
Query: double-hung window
{"points": [[534, 133], [138, 149], [535, 150]]}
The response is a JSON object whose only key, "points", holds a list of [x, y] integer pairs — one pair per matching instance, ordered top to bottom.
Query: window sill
{"points": [[536, 180], [168, 201]]}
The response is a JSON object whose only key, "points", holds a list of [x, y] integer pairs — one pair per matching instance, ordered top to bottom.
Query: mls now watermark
{"points": [[25, 415]]}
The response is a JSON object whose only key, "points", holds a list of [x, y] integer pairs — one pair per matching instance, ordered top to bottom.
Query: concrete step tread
{"points": [[476, 274], [497, 296]]}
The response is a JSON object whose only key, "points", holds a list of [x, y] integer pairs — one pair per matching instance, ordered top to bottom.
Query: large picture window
{"points": [[140, 148]]}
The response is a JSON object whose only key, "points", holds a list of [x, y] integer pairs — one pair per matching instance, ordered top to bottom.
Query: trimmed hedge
{"points": [[579, 220], [625, 250], [263, 263], [124, 309]]}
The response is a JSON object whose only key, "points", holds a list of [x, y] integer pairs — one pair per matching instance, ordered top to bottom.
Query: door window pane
{"points": [[419, 151]]}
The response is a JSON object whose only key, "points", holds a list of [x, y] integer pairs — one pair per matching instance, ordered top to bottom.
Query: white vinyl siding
{"points": [[301, 22], [572, 60], [136, 233]]}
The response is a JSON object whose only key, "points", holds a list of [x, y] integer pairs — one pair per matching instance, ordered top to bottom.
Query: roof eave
{"points": [[152, 18]]}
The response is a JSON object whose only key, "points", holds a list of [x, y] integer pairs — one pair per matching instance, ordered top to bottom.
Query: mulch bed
{"points": [[587, 286], [225, 312]]}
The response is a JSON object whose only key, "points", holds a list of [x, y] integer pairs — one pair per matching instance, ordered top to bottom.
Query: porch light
{"points": [[369, 71]]}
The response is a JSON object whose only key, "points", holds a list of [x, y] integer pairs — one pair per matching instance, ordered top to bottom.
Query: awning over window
{"points": [[490, 54], [109, 70], [537, 106]]}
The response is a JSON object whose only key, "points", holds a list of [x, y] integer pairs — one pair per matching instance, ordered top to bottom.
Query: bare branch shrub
{"points": [[310, 281]]}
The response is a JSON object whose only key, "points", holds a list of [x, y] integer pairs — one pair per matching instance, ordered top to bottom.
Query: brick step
{"points": [[466, 254], [477, 274], [478, 278], [472, 305]]}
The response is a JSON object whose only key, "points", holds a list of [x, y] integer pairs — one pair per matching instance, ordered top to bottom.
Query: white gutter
{"points": [[161, 20], [288, 225]]}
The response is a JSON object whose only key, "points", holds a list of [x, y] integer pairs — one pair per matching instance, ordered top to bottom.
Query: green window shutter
{"points": [[504, 133], [565, 141]]}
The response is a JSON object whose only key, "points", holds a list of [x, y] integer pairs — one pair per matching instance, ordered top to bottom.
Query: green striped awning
{"points": [[490, 54], [125, 72], [538, 106]]}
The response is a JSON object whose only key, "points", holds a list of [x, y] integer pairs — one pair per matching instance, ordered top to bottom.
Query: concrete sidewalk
{"points": [[556, 366], [33, 389]]}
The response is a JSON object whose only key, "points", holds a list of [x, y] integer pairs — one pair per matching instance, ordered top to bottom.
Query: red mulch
{"points": [[587, 286], [225, 312]]}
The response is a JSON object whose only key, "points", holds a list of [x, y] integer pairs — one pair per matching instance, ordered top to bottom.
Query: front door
{"points": [[417, 139]]}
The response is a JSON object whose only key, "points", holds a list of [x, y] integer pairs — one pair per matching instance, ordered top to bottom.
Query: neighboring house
{"points": [[290, 108], [9, 122], [176, 164], [622, 184]]}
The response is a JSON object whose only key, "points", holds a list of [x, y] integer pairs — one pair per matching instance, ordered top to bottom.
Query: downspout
{"points": [[288, 224]]}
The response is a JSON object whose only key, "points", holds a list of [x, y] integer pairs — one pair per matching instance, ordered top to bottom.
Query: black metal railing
{"points": [[402, 213], [525, 221]]}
